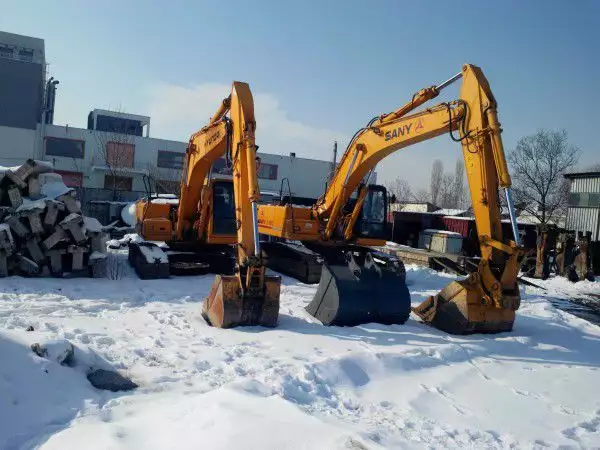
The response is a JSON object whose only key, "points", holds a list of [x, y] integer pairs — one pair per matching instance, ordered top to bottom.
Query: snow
{"points": [[41, 167], [55, 189], [165, 201], [29, 205], [449, 212], [128, 214], [92, 224], [445, 232], [124, 241], [154, 254], [300, 385]]}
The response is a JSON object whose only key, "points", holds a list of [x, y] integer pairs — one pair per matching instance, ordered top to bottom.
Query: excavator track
{"points": [[151, 261]]}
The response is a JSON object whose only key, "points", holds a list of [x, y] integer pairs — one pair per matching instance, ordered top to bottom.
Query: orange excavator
{"points": [[208, 222], [357, 284]]}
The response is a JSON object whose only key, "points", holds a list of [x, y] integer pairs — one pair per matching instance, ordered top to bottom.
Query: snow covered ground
{"points": [[298, 386]]}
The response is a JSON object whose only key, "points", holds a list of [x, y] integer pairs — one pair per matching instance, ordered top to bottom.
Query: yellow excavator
{"points": [[208, 220], [356, 285]]}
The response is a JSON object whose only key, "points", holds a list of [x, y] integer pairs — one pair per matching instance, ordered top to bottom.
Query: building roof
{"points": [[589, 174]]}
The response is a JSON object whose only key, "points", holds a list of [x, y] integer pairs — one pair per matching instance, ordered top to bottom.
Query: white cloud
{"points": [[178, 111]]}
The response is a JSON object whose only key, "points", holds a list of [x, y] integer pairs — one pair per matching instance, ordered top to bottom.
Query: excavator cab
{"points": [[223, 211], [372, 221]]}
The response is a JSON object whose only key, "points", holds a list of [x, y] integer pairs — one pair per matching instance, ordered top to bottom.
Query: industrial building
{"points": [[115, 153], [583, 214]]}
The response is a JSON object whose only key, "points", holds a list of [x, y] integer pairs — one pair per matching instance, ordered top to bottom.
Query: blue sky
{"points": [[320, 69]]}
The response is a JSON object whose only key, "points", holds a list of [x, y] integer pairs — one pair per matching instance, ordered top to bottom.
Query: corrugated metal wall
{"points": [[591, 185], [583, 219]]}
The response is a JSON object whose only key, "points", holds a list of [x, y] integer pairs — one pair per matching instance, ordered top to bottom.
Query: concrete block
{"points": [[22, 174], [16, 179], [35, 189], [15, 197], [71, 203], [52, 209], [35, 222], [73, 224], [17, 226], [54, 238], [98, 242], [7, 244], [33, 247], [77, 254], [55, 257], [99, 265], [27, 266]]}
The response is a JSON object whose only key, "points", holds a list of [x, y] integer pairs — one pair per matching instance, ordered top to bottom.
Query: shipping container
{"points": [[441, 241]]}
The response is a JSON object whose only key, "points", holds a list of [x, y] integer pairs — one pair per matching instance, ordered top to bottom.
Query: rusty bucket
{"points": [[229, 304], [463, 308]]}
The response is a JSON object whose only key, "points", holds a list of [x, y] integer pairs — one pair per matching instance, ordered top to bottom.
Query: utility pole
{"points": [[334, 162]]}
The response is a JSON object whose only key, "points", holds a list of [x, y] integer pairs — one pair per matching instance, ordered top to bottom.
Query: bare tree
{"points": [[115, 151], [538, 164], [165, 180], [435, 184], [458, 189], [401, 190], [421, 196], [446, 196]]}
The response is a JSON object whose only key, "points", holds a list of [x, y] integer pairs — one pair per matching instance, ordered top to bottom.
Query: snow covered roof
{"points": [[449, 212], [448, 233]]}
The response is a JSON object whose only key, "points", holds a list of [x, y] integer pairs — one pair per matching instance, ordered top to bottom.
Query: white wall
{"points": [[16, 145], [146, 151], [307, 177]]}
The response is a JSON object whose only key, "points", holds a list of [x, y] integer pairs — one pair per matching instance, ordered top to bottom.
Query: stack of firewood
{"points": [[42, 229]]}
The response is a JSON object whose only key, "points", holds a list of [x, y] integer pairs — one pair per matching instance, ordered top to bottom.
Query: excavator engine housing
{"points": [[351, 293], [232, 302]]}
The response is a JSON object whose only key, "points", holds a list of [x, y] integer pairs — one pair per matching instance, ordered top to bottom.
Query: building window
{"points": [[6, 52], [26, 54], [116, 125], [69, 148], [119, 154], [169, 160], [267, 171], [71, 179], [118, 183]]}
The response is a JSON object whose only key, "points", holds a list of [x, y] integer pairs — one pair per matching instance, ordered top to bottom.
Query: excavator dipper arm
{"points": [[249, 297]]}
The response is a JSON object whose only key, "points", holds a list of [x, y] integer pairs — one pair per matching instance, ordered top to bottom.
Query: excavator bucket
{"points": [[351, 294], [229, 304], [462, 308]]}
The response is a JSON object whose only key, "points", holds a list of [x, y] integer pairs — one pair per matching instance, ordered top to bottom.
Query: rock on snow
{"points": [[300, 385]]}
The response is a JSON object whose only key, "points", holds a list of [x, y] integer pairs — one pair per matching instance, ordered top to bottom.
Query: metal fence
{"points": [[105, 204]]}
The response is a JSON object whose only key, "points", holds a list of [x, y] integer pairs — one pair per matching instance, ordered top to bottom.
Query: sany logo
{"points": [[404, 130]]}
